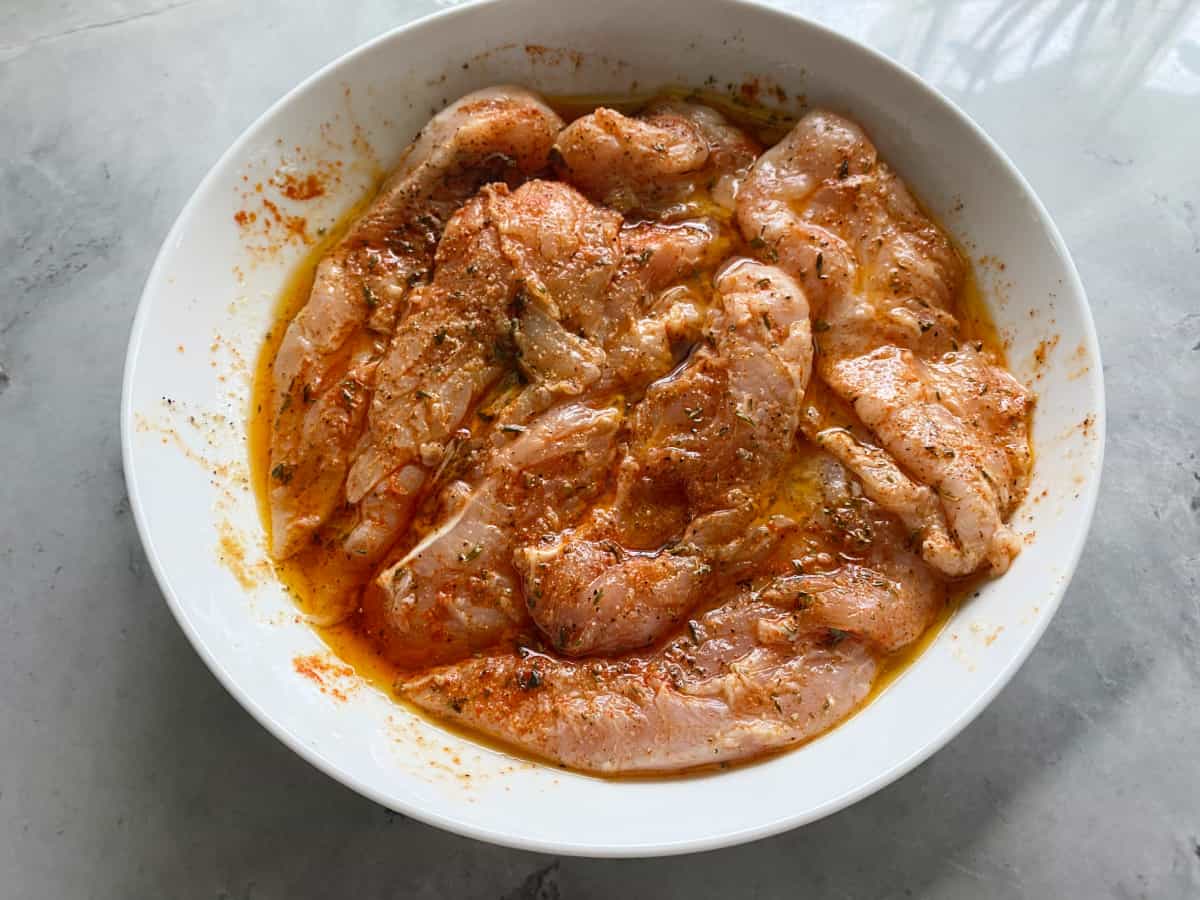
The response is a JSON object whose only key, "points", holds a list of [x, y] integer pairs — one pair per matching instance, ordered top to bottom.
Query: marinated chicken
{"points": [[672, 159], [884, 279], [324, 369], [636, 446], [706, 448], [456, 591], [746, 683]]}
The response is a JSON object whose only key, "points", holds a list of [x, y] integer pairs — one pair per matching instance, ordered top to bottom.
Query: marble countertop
{"points": [[127, 771]]}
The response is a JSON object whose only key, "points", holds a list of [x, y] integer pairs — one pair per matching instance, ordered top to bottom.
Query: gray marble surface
{"points": [[125, 769]]}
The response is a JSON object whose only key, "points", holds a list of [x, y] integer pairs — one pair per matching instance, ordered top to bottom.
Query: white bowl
{"points": [[209, 300]]}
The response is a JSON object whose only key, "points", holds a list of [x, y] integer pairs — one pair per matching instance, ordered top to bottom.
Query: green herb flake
{"points": [[283, 472], [471, 554], [528, 681]]}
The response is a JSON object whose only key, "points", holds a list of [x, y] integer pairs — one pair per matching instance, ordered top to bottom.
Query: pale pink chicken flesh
{"points": [[660, 162], [882, 278], [499, 294], [324, 370], [707, 445], [741, 683]]}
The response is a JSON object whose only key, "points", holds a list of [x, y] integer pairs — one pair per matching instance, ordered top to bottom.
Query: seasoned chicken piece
{"points": [[657, 161], [565, 251], [514, 274], [882, 277], [581, 293], [656, 303], [573, 308], [635, 330], [327, 359], [440, 360], [830, 423], [708, 444], [946, 444], [847, 565], [456, 591], [788, 656], [749, 677]]}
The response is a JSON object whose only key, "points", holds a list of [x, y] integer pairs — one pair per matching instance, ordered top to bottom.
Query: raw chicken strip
{"points": [[656, 162], [565, 251], [513, 274], [883, 277], [655, 303], [631, 330], [327, 359], [440, 360], [831, 424], [707, 447], [846, 564], [456, 591], [783, 660], [749, 678]]}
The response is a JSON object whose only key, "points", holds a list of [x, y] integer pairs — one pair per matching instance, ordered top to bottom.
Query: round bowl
{"points": [[211, 296]]}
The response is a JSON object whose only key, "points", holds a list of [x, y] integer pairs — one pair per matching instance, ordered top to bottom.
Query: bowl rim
{"points": [[466, 828]]}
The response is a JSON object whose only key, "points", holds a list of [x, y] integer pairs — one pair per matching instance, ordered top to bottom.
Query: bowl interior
{"points": [[209, 301]]}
